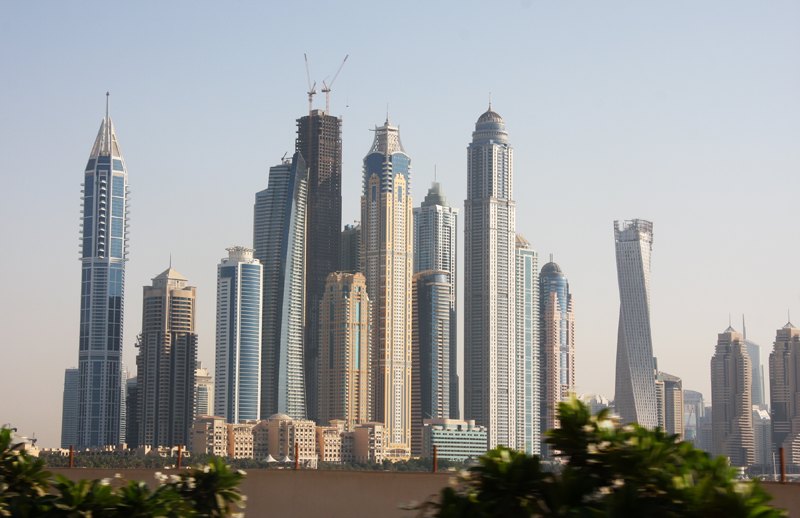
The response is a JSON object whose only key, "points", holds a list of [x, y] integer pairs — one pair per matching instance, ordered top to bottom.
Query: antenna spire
{"points": [[107, 100], [490, 100], [387, 114], [434, 172], [170, 260], [744, 329]]}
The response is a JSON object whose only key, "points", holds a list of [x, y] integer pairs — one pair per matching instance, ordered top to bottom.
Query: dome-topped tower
{"points": [[490, 127]]}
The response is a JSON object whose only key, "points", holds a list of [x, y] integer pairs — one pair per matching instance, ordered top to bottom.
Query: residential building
{"points": [[319, 141], [279, 237], [351, 249], [436, 249], [104, 250], [386, 256], [238, 337], [557, 346], [344, 351], [430, 351], [490, 359], [166, 361], [528, 369], [784, 387], [203, 391], [669, 394], [635, 397], [731, 403], [69, 408], [132, 412], [762, 433], [210, 436], [277, 436], [454, 439], [240, 440], [370, 443], [333, 444]]}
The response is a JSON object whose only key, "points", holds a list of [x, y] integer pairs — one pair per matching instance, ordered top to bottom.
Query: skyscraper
{"points": [[319, 141], [279, 237], [351, 248], [104, 249], [436, 249], [386, 258], [527, 319], [238, 342], [557, 345], [430, 351], [754, 352], [344, 354], [490, 360], [166, 361], [784, 388], [203, 391], [669, 394], [635, 398], [731, 404], [69, 408], [132, 413]]}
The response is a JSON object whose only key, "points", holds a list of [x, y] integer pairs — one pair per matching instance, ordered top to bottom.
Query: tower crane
{"points": [[327, 88], [312, 90]]}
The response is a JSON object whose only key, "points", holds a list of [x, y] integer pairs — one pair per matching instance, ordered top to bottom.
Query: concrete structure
{"points": [[319, 141], [279, 238], [351, 249], [436, 249], [104, 250], [386, 256], [431, 331], [238, 341], [556, 346], [754, 352], [490, 359], [166, 361], [528, 368], [344, 386], [784, 387], [203, 391], [669, 392], [635, 398], [731, 403], [69, 408], [132, 412], [762, 433], [277, 435], [210, 436], [454, 439], [240, 440], [371, 443]]}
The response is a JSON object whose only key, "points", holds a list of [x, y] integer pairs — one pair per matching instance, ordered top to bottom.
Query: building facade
{"points": [[319, 141], [279, 238], [351, 249], [436, 249], [104, 250], [387, 262], [238, 336], [557, 346], [528, 348], [344, 351], [430, 351], [754, 352], [490, 358], [166, 361], [784, 387], [203, 391], [669, 394], [635, 397], [731, 403], [69, 408], [132, 412], [762, 432], [454, 439]]}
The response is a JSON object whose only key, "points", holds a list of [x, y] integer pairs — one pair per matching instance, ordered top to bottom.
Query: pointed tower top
{"points": [[107, 101], [490, 101], [387, 114], [106, 142], [789, 324], [744, 329]]}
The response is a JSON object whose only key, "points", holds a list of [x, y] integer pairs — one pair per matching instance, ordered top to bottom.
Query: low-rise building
{"points": [[210, 436], [454, 439], [240, 440], [369, 442]]}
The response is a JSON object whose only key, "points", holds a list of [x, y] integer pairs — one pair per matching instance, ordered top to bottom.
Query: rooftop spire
{"points": [[490, 100], [387, 114], [744, 329]]}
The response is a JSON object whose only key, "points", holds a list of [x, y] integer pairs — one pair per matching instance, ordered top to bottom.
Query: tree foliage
{"points": [[608, 471]]}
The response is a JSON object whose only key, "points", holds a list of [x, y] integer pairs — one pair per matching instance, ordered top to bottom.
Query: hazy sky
{"points": [[683, 113]]}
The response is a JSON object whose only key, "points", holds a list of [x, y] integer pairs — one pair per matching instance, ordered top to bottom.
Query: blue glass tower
{"points": [[104, 250]]}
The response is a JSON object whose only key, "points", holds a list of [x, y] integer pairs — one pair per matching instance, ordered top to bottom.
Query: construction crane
{"points": [[327, 88], [312, 90]]}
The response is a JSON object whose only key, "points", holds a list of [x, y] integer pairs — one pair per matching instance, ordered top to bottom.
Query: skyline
{"points": [[673, 108]]}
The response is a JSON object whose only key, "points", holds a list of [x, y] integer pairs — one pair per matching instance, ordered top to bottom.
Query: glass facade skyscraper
{"points": [[279, 238], [104, 249], [238, 341], [527, 371], [69, 408]]}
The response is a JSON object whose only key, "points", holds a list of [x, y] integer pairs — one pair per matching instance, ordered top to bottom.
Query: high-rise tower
{"points": [[319, 141], [279, 237], [386, 244], [104, 249], [436, 249], [490, 360], [166, 362], [528, 370], [784, 388], [635, 398], [69, 408]]}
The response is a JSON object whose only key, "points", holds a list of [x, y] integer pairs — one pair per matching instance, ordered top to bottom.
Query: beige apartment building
{"points": [[344, 351], [210, 436], [240, 440]]}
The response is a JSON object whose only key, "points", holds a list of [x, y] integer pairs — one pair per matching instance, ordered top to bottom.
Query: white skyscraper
{"points": [[490, 359], [635, 398]]}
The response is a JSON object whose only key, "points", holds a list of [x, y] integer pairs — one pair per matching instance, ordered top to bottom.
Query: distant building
{"points": [[351, 249], [528, 348], [344, 351], [754, 352], [166, 361], [784, 386], [237, 389], [203, 391], [669, 394], [731, 400], [596, 402], [69, 409], [132, 413], [694, 417], [762, 431], [210, 436], [277, 436], [454, 439], [240, 440]]}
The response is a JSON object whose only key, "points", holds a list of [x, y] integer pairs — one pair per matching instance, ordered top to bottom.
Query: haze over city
{"points": [[685, 115]]}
